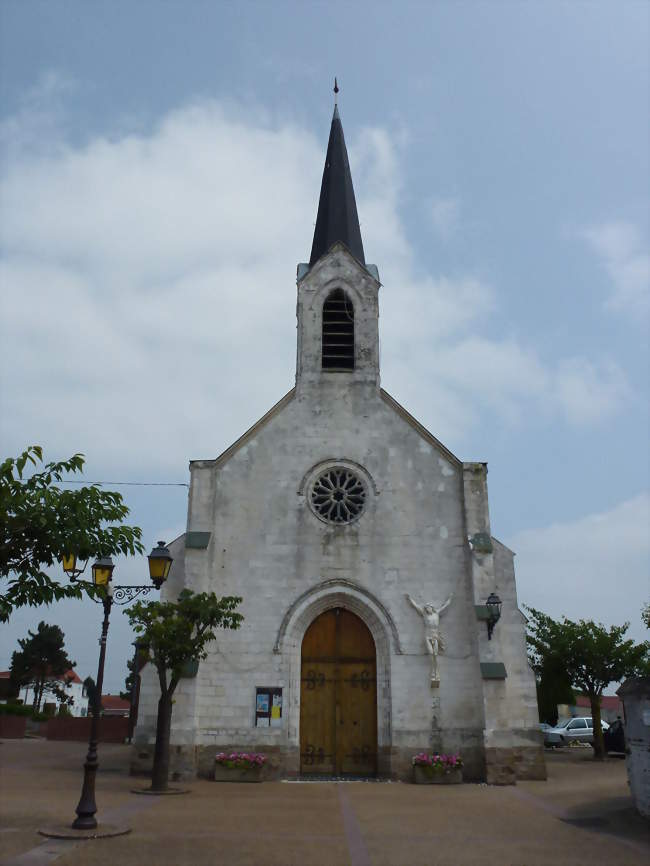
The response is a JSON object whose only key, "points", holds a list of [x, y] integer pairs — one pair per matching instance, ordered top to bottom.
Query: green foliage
{"points": [[40, 522], [173, 633], [592, 655], [40, 661], [128, 681], [553, 688], [93, 696], [16, 710], [21, 710]]}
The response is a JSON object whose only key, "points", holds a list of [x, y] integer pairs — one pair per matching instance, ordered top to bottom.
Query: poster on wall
{"points": [[268, 707], [276, 710]]}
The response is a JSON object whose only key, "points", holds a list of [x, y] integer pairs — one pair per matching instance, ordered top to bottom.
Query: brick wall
{"points": [[111, 730]]}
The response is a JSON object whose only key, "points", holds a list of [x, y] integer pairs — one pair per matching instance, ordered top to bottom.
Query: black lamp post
{"points": [[160, 561], [493, 605]]}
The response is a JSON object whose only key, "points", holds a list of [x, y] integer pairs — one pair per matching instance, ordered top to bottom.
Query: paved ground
{"points": [[582, 815]]}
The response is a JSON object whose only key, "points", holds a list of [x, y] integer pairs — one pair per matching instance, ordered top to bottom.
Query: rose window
{"points": [[338, 495]]}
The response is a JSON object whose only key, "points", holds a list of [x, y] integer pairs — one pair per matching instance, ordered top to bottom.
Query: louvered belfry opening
{"points": [[338, 332]]}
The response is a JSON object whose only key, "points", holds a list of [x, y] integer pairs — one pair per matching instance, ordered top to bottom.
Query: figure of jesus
{"points": [[432, 637]]}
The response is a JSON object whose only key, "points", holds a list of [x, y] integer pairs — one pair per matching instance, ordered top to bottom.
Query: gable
{"points": [[419, 428], [225, 456]]}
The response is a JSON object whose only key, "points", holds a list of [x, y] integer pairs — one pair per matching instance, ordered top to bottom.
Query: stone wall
{"points": [[635, 693]]}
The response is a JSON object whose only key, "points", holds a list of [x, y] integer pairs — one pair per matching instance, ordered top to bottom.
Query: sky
{"points": [[159, 177]]}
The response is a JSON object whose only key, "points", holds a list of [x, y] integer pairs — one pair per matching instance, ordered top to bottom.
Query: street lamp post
{"points": [[102, 570]]}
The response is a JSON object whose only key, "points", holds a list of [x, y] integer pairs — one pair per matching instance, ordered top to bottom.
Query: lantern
{"points": [[160, 561], [102, 571], [493, 605]]}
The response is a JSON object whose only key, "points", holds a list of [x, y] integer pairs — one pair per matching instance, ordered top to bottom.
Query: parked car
{"points": [[576, 730]]}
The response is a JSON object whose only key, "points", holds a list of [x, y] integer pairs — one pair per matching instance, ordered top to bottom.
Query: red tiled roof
{"points": [[5, 675], [114, 702]]}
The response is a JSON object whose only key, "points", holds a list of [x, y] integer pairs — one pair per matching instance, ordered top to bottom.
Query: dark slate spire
{"points": [[337, 218]]}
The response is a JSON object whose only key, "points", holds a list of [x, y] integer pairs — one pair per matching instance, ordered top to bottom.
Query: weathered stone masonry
{"points": [[424, 530]]}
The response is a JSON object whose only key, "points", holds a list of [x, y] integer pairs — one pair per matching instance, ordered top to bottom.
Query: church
{"points": [[380, 614]]}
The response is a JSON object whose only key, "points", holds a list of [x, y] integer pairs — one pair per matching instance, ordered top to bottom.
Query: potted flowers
{"points": [[238, 767], [437, 769]]}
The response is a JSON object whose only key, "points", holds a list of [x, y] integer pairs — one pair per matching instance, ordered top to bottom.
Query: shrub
{"points": [[21, 710]]}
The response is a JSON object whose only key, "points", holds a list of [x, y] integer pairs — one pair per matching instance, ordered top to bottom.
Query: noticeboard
{"points": [[268, 707]]}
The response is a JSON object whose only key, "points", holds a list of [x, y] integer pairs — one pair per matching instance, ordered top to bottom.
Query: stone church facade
{"points": [[325, 517]]}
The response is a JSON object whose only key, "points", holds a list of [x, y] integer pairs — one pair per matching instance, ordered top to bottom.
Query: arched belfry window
{"points": [[338, 332]]}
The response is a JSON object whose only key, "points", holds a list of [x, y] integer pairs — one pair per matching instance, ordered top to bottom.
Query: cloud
{"points": [[36, 123], [444, 214], [624, 255], [149, 303], [586, 392], [599, 561]]}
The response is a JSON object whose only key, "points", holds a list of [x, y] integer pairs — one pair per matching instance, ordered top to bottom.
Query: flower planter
{"points": [[237, 774], [428, 776]]}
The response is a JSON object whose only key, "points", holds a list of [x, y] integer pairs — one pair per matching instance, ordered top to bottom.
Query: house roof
{"points": [[5, 675], [70, 677], [114, 702]]}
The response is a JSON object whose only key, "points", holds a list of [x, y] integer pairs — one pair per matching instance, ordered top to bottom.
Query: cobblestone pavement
{"points": [[582, 814]]}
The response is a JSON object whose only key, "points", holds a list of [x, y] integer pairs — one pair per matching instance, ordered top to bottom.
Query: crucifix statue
{"points": [[432, 637]]}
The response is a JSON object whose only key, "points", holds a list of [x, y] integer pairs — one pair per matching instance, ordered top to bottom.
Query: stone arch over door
{"points": [[299, 616]]}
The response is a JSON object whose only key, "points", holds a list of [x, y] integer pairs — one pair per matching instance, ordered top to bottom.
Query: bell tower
{"points": [[338, 309]]}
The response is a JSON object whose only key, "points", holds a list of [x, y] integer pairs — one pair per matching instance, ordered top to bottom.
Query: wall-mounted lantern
{"points": [[493, 605]]}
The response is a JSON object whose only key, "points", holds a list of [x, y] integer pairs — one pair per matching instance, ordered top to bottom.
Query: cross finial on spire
{"points": [[336, 90]]}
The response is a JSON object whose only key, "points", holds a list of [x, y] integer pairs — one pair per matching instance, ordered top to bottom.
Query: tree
{"points": [[40, 523], [645, 614], [174, 633], [592, 655], [42, 662], [129, 681], [553, 688], [94, 704]]}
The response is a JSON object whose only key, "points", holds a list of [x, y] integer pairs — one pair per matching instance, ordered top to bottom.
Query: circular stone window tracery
{"points": [[338, 495]]}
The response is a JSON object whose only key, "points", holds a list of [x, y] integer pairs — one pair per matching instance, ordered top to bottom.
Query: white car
{"points": [[579, 729]]}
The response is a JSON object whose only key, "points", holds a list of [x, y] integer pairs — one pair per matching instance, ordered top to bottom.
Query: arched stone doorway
{"points": [[338, 696]]}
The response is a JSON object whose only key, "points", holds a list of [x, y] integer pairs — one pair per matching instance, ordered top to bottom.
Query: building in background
{"points": [[71, 686], [114, 705], [611, 708]]}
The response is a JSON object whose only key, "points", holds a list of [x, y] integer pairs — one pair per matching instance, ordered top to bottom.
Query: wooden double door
{"points": [[338, 697]]}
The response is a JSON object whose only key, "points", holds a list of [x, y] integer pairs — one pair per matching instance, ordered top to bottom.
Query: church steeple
{"points": [[337, 218]]}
